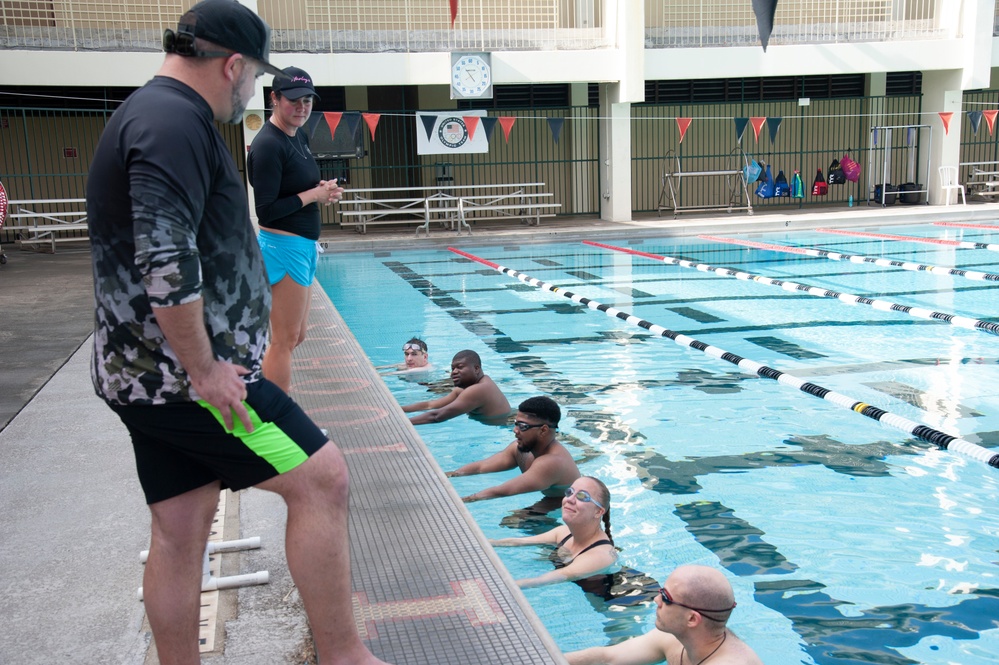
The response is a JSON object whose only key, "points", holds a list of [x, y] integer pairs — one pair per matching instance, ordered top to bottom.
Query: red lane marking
{"points": [[885, 236]]}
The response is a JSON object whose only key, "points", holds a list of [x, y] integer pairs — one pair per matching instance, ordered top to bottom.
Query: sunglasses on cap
{"points": [[412, 347], [582, 495], [668, 600]]}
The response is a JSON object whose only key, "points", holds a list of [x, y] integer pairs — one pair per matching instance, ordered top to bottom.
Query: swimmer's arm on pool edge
{"points": [[549, 537], [646, 649]]}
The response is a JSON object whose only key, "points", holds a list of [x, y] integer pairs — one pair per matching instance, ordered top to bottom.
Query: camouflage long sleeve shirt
{"points": [[169, 224]]}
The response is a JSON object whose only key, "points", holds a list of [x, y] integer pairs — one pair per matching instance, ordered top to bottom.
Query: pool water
{"points": [[846, 541]]}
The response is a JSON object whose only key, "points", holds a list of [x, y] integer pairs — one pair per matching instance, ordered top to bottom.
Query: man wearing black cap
{"points": [[181, 318]]}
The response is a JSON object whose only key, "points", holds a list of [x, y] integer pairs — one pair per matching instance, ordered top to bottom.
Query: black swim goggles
{"points": [[668, 600]]}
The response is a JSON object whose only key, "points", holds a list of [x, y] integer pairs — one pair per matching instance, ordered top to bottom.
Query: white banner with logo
{"points": [[449, 132]]}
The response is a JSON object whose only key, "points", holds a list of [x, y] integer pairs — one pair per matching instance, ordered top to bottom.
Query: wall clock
{"points": [[471, 76]]}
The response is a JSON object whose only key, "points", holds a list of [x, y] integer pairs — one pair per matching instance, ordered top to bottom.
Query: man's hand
{"points": [[223, 388]]}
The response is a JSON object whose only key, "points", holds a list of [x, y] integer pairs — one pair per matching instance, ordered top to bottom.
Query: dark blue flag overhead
{"points": [[765, 10]]}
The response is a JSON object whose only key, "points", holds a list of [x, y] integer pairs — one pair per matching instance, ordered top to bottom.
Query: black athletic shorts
{"points": [[180, 447]]}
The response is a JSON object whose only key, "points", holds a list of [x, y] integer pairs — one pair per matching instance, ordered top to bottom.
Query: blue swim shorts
{"points": [[288, 255]]}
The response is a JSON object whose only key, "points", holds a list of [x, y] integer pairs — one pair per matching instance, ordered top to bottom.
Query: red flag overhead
{"points": [[454, 11], [332, 119], [945, 119], [990, 119], [372, 121], [506, 121], [471, 124], [683, 124], [757, 126]]}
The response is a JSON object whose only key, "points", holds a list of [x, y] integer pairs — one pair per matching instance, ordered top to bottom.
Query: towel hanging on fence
{"points": [[797, 187]]}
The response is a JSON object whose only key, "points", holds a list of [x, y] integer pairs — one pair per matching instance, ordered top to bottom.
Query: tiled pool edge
{"points": [[412, 588]]}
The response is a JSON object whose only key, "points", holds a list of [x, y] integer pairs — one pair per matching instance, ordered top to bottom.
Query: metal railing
{"points": [[692, 23], [370, 26]]}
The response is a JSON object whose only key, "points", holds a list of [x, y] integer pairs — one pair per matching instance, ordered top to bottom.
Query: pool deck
{"points": [[427, 586]]}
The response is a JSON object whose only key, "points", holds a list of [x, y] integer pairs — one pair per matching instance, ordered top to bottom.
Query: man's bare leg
{"points": [[318, 553], [171, 585]]}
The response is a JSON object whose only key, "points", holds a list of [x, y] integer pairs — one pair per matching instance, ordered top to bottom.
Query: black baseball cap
{"points": [[226, 23], [293, 83]]}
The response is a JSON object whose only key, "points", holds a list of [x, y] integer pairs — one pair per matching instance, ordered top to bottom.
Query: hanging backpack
{"points": [[851, 169], [836, 175], [781, 186], [797, 187], [820, 187], [765, 190]]}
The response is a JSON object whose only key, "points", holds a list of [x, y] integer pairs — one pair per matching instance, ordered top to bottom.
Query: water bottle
{"points": [[850, 202]]}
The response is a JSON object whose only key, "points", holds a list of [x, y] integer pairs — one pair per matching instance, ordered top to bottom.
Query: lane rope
{"points": [[961, 225], [931, 241], [854, 258], [848, 298], [924, 432]]}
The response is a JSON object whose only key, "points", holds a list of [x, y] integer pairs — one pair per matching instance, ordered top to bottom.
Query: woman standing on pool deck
{"points": [[287, 190], [583, 545]]}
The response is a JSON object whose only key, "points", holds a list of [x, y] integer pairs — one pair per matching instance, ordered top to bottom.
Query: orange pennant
{"points": [[945, 117], [332, 119], [371, 119], [990, 119], [507, 122], [471, 124], [683, 124], [757, 126]]}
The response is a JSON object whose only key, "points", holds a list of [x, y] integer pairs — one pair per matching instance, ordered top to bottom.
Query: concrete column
{"points": [[626, 21], [942, 93], [615, 157]]}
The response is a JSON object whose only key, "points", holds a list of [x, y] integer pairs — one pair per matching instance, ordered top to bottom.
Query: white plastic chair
{"points": [[948, 182]]}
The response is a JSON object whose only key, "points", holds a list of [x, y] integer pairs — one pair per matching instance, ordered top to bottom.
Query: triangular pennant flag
{"points": [[765, 10], [454, 12], [945, 117], [352, 118], [975, 118], [371, 119], [332, 120], [990, 120], [429, 122], [506, 122], [312, 124], [471, 124], [683, 124], [773, 124], [488, 125], [556, 126], [757, 126], [740, 128]]}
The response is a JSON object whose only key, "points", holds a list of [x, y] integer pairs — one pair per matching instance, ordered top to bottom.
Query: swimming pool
{"points": [[846, 541]]}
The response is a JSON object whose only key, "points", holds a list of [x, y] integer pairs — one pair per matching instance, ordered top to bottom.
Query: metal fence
{"points": [[371, 26], [807, 138], [981, 145], [46, 153], [568, 166]]}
